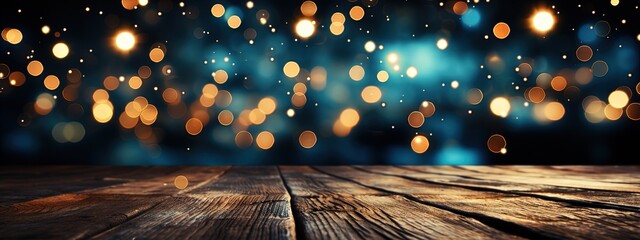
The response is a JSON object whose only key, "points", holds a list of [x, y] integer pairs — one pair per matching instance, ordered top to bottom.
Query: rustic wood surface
{"points": [[321, 202]]}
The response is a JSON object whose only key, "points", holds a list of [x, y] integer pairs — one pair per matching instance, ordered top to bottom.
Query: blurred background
{"points": [[162, 82]]}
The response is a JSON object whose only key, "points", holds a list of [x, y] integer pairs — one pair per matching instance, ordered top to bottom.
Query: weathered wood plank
{"points": [[613, 169], [493, 173], [605, 174], [47, 181], [307, 182], [595, 198], [245, 203], [331, 208], [86, 213], [534, 215]]}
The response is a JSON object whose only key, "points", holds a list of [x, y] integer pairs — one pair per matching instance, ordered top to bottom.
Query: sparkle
{"points": [[542, 21], [125, 40]]}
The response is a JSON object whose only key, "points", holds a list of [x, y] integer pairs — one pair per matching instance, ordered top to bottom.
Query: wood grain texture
{"points": [[559, 180], [39, 182], [612, 199], [324, 202], [245, 203], [332, 208], [88, 212], [528, 215]]}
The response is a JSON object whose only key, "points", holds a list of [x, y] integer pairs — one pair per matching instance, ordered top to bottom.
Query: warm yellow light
{"points": [[308, 8], [217, 10], [356, 13], [338, 17], [543, 21], [234, 22], [305, 28], [336, 28], [45, 29], [501, 30], [13, 36], [125, 40], [442, 44], [370, 46], [60, 50], [156, 55], [392, 58], [35, 68], [291, 69], [412, 72], [356, 73], [220, 76], [382, 76], [51, 82], [135, 82], [455, 84], [300, 88], [371, 94], [618, 99], [298, 100], [44, 104], [267, 105], [500, 106], [103, 111], [554, 111], [225, 117], [349, 117], [415, 119], [193, 126], [307, 139], [265, 140], [419, 144], [181, 182]]}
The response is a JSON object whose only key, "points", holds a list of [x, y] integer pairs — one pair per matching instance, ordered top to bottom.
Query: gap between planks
{"points": [[293, 210], [498, 224]]}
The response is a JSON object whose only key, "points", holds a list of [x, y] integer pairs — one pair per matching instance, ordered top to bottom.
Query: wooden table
{"points": [[328, 202]]}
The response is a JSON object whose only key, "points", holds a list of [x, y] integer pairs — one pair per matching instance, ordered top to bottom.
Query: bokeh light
{"points": [[543, 21], [305, 28], [501, 30], [125, 40], [442, 44], [60, 50], [150, 80], [371, 94], [500, 106], [307, 139], [496, 143], [419, 144], [181, 182]]}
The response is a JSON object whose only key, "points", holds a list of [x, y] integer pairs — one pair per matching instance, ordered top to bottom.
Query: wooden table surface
{"points": [[321, 202]]}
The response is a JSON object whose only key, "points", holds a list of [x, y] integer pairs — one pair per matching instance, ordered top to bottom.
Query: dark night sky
{"points": [[74, 123]]}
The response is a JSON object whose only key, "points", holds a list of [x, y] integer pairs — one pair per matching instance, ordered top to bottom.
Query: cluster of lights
{"points": [[140, 115]]}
